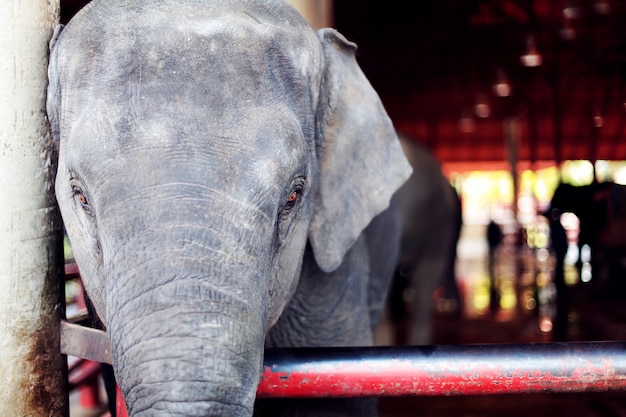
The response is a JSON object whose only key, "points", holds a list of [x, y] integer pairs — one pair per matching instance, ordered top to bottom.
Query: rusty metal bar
{"points": [[84, 342], [418, 370], [444, 370]]}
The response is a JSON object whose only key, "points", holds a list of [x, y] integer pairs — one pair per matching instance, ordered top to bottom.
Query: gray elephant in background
{"points": [[225, 177], [432, 220]]}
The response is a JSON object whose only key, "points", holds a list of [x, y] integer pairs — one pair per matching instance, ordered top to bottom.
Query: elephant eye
{"points": [[292, 198], [82, 200], [290, 203]]}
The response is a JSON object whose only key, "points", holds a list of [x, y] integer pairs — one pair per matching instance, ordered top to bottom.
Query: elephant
{"points": [[226, 177], [601, 211], [431, 215]]}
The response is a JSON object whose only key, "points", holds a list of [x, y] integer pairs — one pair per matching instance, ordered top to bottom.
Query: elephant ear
{"points": [[54, 87], [360, 158]]}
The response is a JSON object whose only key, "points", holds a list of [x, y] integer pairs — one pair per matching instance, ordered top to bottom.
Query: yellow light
{"points": [[479, 297], [508, 300]]}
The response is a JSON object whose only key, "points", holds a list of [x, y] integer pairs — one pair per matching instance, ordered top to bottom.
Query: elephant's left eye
{"points": [[293, 197], [290, 203]]}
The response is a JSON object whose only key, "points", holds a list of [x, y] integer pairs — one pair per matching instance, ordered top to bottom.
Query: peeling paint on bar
{"points": [[418, 370], [444, 370]]}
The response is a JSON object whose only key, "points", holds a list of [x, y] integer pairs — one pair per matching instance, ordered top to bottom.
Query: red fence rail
{"points": [[418, 370], [441, 370], [444, 370], [404, 371]]}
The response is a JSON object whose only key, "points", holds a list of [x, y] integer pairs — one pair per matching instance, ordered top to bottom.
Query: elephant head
{"points": [[203, 144]]}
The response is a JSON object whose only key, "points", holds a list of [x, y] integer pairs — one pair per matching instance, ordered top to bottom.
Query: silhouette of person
{"points": [[494, 239], [558, 244]]}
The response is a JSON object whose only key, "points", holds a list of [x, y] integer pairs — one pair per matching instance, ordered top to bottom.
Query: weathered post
{"points": [[317, 12], [32, 370]]}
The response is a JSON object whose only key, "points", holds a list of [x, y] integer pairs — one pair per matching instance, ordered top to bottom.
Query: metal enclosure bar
{"points": [[418, 370], [444, 370]]}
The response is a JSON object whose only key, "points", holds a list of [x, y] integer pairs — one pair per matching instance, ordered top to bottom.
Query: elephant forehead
{"points": [[218, 41], [209, 70], [188, 74], [253, 139]]}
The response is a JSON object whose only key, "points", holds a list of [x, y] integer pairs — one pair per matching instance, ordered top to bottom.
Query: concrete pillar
{"points": [[319, 13], [32, 370]]}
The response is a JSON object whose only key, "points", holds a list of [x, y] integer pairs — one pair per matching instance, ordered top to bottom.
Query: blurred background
{"points": [[512, 99]]}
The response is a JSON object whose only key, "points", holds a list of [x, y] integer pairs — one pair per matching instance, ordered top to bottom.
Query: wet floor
{"points": [[522, 307]]}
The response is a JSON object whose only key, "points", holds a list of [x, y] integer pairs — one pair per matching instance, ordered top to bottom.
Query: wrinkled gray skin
{"points": [[220, 165], [431, 218]]}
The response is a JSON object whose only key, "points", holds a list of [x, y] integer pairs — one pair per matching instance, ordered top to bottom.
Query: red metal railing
{"points": [[441, 370], [444, 370], [413, 371], [83, 377]]}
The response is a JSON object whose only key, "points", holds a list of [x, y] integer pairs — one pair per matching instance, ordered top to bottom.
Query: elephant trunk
{"points": [[186, 343]]}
